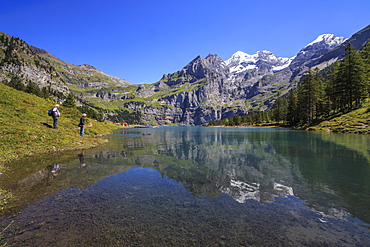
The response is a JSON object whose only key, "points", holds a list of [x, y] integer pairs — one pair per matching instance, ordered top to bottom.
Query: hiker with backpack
{"points": [[54, 112]]}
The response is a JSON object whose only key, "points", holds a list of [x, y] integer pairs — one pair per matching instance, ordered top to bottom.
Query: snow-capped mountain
{"points": [[328, 40], [358, 40], [310, 54], [241, 61], [250, 68]]}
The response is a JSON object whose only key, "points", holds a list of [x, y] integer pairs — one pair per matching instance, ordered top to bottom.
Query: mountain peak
{"points": [[330, 40], [311, 53], [240, 54], [212, 56], [240, 57], [212, 59], [241, 61]]}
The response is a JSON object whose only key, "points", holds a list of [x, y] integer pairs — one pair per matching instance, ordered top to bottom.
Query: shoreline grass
{"points": [[26, 129]]}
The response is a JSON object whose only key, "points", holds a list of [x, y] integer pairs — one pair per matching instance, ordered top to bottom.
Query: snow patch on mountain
{"points": [[240, 61], [278, 68]]}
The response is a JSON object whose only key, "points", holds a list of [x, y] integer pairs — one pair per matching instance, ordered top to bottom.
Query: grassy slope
{"points": [[357, 121], [26, 127]]}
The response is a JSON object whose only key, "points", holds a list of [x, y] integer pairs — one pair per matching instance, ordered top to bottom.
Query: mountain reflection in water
{"points": [[262, 164], [265, 171]]}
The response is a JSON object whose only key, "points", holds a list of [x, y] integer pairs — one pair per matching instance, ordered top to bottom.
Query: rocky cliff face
{"points": [[18, 60], [27, 63], [199, 93]]}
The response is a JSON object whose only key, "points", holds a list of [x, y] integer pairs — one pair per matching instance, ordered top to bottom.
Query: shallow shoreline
{"points": [[83, 144]]}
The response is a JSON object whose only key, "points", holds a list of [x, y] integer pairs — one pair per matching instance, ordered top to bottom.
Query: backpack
{"points": [[50, 112]]}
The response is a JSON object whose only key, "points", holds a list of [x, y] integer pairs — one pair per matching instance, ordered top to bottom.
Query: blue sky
{"points": [[140, 40]]}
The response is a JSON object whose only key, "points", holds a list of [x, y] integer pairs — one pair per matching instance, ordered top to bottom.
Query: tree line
{"points": [[335, 90]]}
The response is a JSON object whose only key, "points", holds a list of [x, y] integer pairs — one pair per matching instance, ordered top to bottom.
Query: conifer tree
{"points": [[365, 55], [16, 82], [350, 83], [33, 89], [331, 91], [45, 93], [310, 97], [70, 101], [280, 109], [292, 110], [265, 117], [236, 120]]}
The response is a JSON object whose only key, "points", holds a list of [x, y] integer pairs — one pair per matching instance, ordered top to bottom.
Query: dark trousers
{"points": [[55, 124]]}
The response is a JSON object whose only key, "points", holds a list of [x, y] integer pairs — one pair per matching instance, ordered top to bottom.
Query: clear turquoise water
{"points": [[194, 186]]}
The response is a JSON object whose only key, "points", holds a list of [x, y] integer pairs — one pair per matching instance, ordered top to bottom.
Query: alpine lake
{"points": [[194, 186]]}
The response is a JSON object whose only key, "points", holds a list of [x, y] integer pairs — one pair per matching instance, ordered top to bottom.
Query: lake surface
{"points": [[194, 186]]}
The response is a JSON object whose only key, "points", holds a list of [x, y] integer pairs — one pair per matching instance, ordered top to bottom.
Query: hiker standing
{"points": [[56, 115], [82, 125]]}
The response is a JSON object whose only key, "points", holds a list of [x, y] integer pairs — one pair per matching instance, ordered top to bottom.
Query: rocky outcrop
{"points": [[18, 60], [84, 75]]}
